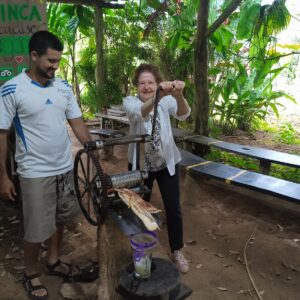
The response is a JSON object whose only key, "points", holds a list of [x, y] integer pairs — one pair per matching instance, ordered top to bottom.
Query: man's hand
{"points": [[7, 189]]}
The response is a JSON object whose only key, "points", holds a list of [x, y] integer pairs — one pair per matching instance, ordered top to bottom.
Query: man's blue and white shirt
{"points": [[39, 114]]}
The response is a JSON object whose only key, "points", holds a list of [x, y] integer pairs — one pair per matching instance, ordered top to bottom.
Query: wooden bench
{"points": [[104, 117], [102, 133], [265, 156], [280, 188]]}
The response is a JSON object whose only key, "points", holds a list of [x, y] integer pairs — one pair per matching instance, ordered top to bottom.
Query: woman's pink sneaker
{"points": [[180, 262]]}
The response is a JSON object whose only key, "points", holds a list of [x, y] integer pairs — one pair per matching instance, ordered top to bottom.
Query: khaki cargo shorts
{"points": [[47, 202]]}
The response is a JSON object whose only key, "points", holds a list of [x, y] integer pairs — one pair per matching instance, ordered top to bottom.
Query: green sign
{"points": [[19, 12], [19, 20], [14, 45], [6, 73]]}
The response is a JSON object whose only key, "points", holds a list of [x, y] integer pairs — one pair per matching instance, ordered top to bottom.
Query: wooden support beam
{"points": [[100, 3], [114, 254]]}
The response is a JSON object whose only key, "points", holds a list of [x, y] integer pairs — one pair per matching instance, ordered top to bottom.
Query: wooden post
{"points": [[264, 166], [114, 254]]}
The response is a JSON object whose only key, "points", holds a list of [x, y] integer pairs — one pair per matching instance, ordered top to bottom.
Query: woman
{"points": [[161, 155]]}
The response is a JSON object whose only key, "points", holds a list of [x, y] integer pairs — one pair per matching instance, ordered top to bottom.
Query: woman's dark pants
{"points": [[170, 192]]}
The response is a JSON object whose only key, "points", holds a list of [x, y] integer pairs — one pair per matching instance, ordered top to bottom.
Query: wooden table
{"points": [[103, 117]]}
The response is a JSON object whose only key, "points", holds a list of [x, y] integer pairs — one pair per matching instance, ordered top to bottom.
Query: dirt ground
{"points": [[218, 223]]}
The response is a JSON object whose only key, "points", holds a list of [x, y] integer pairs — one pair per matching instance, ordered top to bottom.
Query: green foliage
{"points": [[247, 18], [273, 18], [243, 63], [241, 87], [240, 97], [86, 114], [259, 124], [285, 133], [288, 135], [233, 160], [286, 173]]}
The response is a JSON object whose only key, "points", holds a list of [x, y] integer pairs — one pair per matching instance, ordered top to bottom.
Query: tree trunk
{"points": [[100, 56], [75, 83], [201, 103]]}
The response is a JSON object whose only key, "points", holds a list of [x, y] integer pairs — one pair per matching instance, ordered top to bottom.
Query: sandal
{"points": [[72, 270], [30, 288]]}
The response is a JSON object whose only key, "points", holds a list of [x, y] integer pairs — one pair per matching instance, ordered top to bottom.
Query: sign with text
{"points": [[19, 19]]}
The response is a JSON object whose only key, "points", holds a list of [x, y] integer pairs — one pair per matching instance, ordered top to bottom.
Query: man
{"points": [[38, 104]]}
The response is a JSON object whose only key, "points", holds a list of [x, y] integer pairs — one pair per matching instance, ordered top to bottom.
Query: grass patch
{"points": [[287, 135]]}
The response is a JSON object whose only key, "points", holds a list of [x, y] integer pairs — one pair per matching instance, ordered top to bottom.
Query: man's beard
{"points": [[45, 74]]}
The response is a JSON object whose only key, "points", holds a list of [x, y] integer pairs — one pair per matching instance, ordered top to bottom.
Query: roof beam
{"points": [[100, 3]]}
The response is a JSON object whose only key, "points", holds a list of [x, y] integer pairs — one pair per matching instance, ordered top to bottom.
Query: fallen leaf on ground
{"points": [[15, 222], [279, 227], [77, 234], [220, 234], [191, 242], [15, 249], [44, 254], [219, 255], [8, 256], [285, 265], [199, 266], [19, 268], [293, 268], [263, 275], [266, 276], [220, 288], [242, 292]]}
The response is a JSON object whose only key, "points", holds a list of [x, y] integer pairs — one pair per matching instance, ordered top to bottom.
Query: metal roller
{"points": [[128, 179]]}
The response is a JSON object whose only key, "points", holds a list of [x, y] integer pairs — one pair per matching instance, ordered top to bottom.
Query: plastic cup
{"points": [[142, 244]]}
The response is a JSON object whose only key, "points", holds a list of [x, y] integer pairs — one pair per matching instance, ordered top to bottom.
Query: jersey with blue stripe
{"points": [[39, 114]]}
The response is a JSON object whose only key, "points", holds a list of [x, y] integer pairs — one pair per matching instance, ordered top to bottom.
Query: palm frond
{"points": [[272, 19]]}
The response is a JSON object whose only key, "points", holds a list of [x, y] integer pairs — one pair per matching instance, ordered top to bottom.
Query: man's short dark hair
{"points": [[40, 41]]}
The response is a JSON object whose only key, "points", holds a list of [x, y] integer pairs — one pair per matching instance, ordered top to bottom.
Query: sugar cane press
{"points": [[94, 188], [96, 196]]}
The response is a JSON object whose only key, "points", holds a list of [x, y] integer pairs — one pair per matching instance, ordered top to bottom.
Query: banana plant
{"points": [[70, 23], [246, 64]]}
